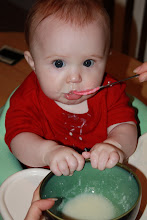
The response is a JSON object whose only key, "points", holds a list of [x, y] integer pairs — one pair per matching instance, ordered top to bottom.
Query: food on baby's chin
{"points": [[89, 206]]}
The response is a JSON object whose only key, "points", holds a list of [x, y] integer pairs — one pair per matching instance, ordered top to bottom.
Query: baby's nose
{"points": [[74, 78]]}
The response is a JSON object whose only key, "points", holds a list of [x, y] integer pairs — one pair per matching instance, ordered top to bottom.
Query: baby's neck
{"points": [[80, 108]]}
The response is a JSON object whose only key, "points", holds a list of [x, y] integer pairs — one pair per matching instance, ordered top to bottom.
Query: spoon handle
{"points": [[111, 84], [90, 91]]}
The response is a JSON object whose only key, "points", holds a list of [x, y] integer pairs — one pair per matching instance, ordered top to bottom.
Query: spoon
{"points": [[89, 91]]}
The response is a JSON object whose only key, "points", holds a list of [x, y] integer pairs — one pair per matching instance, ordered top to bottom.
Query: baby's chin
{"points": [[69, 101]]}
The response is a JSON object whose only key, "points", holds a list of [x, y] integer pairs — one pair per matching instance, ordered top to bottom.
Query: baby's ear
{"points": [[29, 59]]}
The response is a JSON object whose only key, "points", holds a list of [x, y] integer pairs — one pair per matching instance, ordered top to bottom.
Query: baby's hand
{"points": [[104, 155], [64, 160]]}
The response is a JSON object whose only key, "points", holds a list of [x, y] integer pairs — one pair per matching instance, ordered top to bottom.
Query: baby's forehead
{"points": [[54, 22], [63, 34]]}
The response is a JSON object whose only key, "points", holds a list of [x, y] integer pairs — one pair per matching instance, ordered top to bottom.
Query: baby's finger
{"points": [[86, 155], [94, 157], [103, 159], [113, 159], [80, 160], [72, 164], [63, 167], [55, 169]]}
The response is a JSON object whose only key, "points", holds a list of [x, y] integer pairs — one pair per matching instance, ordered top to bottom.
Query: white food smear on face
{"points": [[89, 206]]}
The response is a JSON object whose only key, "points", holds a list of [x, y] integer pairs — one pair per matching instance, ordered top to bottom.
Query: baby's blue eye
{"points": [[59, 63], [88, 63]]}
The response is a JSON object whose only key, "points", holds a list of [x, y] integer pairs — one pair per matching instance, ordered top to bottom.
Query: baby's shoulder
{"points": [[27, 90]]}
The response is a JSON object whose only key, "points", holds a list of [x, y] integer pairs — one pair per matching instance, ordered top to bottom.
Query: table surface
{"points": [[119, 66]]}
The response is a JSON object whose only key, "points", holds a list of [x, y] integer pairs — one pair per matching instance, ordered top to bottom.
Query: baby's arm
{"points": [[142, 70], [120, 144], [35, 151]]}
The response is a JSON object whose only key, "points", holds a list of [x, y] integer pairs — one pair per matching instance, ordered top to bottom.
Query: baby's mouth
{"points": [[72, 96]]}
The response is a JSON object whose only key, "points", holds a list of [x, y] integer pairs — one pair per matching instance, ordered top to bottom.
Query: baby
{"points": [[47, 124]]}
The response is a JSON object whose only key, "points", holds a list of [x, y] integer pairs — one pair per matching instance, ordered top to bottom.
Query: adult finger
{"points": [[142, 68], [143, 77], [37, 207]]}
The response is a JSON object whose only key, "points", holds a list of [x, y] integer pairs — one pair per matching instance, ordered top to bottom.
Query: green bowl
{"points": [[118, 184]]}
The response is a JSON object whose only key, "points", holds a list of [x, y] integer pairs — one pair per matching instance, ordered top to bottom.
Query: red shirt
{"points": [[32, 111]]}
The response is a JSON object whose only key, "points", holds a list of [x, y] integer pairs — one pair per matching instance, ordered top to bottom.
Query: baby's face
{"points": [[68, 58]]}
